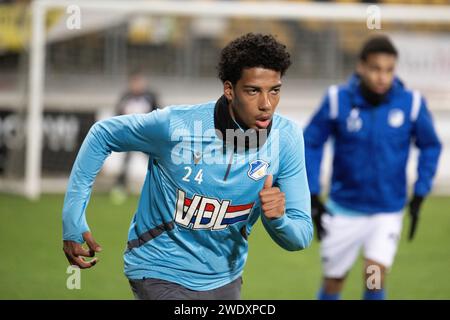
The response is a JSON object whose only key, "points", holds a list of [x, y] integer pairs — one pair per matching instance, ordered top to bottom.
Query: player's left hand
{"points": [[272, 199], [414, 209]]}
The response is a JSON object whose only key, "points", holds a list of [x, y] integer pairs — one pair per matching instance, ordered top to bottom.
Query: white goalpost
{"points": [[255, 10]]}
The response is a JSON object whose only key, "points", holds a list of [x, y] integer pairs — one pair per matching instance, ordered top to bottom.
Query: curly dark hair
{"points": [[377, 44], [249, 51]]}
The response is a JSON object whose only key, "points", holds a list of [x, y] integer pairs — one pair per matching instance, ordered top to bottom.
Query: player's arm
{"points": [[143, 132], [316, 134], [429, 146], [285, 206]]}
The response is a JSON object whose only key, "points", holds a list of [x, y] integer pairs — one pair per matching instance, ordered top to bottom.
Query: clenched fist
{"points": [[272, 200]]}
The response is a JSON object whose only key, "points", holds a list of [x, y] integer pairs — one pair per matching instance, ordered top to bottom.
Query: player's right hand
{"points": [[317, 210], [74, 251]]}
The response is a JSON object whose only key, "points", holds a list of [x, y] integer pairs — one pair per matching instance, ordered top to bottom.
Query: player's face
{"points": [[378, 71], [137, 84], [254, 97]]}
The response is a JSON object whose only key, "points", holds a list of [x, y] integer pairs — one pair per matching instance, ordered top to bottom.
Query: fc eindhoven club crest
{"points": [[396, 118], [258, 169]]}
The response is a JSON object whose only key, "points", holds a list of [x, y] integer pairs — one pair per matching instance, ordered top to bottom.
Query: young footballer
{"points": [[373, 119], [215, 168]]}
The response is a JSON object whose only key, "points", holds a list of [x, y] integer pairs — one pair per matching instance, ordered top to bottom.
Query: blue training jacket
{"points": [[371, 146], [200, 198]]}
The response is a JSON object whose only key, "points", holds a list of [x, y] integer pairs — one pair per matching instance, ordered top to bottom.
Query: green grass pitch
{"points": [[33, 265]]}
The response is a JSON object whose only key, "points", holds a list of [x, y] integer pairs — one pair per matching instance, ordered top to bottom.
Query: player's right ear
{"points": [[360, 68], [228, 90]]}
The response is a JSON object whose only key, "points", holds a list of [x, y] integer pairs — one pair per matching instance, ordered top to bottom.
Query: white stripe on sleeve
{"points": [[333, 97], [415, 105]]}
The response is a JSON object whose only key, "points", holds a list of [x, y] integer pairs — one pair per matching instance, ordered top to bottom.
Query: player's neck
{"points": [[373, 98], [224, 120], [239, 123]]}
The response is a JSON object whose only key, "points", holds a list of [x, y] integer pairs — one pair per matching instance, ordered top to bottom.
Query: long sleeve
{"points": [[143, 132], [316, 134], [427, 141], [294, 230]]}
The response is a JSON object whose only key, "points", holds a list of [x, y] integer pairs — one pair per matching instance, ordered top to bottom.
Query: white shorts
{"points": [[377, 234]]}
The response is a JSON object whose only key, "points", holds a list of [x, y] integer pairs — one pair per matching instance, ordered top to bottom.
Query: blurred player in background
{"points": [[137, 99], [373, 119], [205, 187]]}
